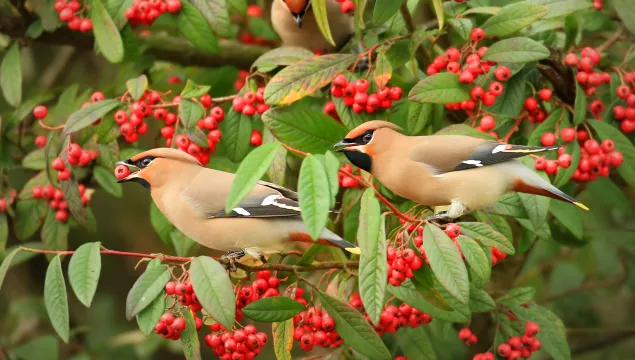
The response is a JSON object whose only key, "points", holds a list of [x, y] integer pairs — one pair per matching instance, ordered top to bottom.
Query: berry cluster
{"points": [[346, 6], [145, 12], [70, 13], [469, 69], [587, 76], [240, 81], [355, 94], [250, 103], [535, 113], [626, 115], [132, 122], [595, 158], [345, 180], [55, 197], [4, 203], [401, 264], [264, 286], [392, 318], [170, 327], [314, 327], [467, 336], [241, 344], [521, 347], [484, 356]]}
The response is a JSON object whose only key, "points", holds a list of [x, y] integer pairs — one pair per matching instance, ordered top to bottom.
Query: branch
{"points": [[611, 40], [161, 47], [560, 76], [178, 259]]}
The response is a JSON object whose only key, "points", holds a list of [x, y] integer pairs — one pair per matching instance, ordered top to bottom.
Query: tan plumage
{"points": [[295, 22], [463, 172], [193, 197]]}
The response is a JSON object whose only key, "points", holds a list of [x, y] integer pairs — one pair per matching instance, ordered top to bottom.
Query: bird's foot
{"points": [[439, 218], [229, 259]]}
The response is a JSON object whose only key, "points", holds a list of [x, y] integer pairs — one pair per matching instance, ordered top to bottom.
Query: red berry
{"points": [[174, 6], [347, 7], [86, 25], [477, 34], [453, 54], [503, 73], [466, 77], [340, 81], [361, 85], [496, 88], [623, 91], [477, 92], [396, 93], [545, 94], [488, 99], [238, 104], [531, 104], [597, 106], [249, 110], [40, 112], [568, 134], [256, 138], [548, 139], [40, 141], [615, 158], [564, 160], [58, 164], [552, 167], [122, 171], [61, 216], [453, 230], [169, 287], [178, 324], [531, 328], [465, 334], [515, 342]]}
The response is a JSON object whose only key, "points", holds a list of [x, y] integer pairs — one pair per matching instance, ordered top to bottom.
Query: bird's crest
{"points": [[371, 125], [167, 153]]}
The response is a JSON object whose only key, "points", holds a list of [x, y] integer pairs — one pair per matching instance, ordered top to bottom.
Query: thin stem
{"points": [[611, 40], [54, 128]]}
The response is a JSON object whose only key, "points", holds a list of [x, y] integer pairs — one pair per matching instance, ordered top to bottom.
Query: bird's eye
{"points": [[367, 138], [146, 162]]}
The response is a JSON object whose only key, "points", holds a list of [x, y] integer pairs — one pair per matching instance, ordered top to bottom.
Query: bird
{"points": [[295, 23], [463, 172], [192, 197]]}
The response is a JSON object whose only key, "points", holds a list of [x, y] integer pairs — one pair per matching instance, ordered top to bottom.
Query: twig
{"points": [[405, 13], [611, 40], [54, 128], [180, 259]]}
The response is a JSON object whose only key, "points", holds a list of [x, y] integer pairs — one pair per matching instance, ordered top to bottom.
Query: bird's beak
{"points": [[299, 18], [347, 146], [132, 175]]}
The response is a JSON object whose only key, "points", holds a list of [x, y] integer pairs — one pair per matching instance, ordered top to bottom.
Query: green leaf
{"points": [[558, 8], [384, 10], [438, 10], [491, 10], [624, 10], [117, 11], [320, 11], [46, 13], [216, 14], [513, 18], [462, 26], [195, 28], [107, 35], [515, 51], [285, 55], [383, 70], [11, 76], [306, 77], [137, 86], [442, 88], [192, 90], [512, 100], [25, 109], [190, 112], [579, 113], [88, 115], [419, 116], [349, 118], [548, 125], [463, 129], [305, 130], [236, 134], [622, 144], [34, 160], [332, 167], [250, 170], [564, 175], [107, 181], [312, 185], [569, 216], [29, 217], [4, 232], [54, 234], [485, 234], [182, 244], [475, 257], [446, 263], [4, 267], [373, 270], [83, 272], [423, 282], [150, 284], [213, 289], [409, 294], [517, 296], [56, 300], [480, 301], [273, 309], [147, 319], [354, 329], [282, 333], [552, 335], [189, 338], [415, 343], [39, 348]]}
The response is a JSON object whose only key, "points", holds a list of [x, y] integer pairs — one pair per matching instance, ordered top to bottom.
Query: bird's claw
{"points": [[439, 218], [229, 259]]}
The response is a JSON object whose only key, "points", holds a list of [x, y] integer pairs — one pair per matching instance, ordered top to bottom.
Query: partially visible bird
{"points": [[295, 22], [461, 171], [192, 197]]}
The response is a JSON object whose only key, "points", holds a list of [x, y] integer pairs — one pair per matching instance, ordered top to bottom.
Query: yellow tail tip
{"points": [[581, 205], [354, 250]]}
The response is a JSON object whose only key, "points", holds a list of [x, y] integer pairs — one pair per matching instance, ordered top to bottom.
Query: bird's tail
{"points": [[328, 238]]}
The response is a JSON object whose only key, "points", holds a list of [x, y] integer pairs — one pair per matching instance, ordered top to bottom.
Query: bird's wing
{"points": [[464, 153], [282, 190], [262, 206]]}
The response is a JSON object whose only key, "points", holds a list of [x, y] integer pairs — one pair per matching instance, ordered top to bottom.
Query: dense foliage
{"points": [[209, 78]]}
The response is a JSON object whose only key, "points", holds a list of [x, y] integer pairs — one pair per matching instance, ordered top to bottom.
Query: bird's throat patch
{"points": [[361, 160]]}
